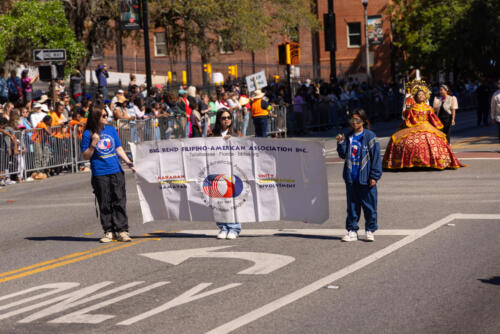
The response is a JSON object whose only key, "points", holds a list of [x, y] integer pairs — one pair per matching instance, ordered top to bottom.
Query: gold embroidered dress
{"points": [[419, 143]]}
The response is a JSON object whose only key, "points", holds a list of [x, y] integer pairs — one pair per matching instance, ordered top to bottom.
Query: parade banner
{"points": [[231, 180]]}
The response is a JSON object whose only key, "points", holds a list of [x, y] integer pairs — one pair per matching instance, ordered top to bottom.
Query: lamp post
{"points": [[367, 42]]}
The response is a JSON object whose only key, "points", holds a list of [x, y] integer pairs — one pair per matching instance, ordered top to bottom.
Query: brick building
{"points": [[315, 61]]}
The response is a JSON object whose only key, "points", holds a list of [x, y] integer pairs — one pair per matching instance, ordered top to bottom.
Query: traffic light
{"points": [[289, 53], [207, 68], [233, 70], [169, 76], [184, 78], [276, 78]]}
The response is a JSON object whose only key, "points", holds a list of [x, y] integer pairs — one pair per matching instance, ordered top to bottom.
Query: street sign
{"points": [[49, 55], [256, 81]]}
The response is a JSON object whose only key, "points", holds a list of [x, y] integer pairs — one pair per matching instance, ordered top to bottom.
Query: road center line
{"points": [[69, 256], [63, 263], [315, 286]]}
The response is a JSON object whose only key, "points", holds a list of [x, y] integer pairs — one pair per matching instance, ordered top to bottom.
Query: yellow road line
{"points": [[55, 260], [63, 263]]}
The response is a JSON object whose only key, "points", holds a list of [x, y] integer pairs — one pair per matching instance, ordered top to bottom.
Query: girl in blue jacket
{"points": [[362, 169]]}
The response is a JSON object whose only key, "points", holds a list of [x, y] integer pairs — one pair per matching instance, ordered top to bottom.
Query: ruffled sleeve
{"points": [[410, 118], [433, 119]]}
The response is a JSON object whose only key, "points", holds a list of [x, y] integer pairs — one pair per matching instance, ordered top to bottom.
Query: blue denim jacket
{"points": [[371, 162]]}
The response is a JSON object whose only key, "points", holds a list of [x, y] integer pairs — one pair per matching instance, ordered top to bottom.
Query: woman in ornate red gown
{"points": [[418, 142]]}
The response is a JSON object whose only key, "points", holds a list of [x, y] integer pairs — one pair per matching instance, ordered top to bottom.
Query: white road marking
{"points": [[319, 232], [264, 263], [315, 286], [55, 288], [186, 297], [82, 316]]}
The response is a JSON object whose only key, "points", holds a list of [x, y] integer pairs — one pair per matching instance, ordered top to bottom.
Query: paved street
{"points": [[434, 267]]}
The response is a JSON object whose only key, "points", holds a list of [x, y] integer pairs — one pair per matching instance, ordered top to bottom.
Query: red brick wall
{"points": [[350, 61]]}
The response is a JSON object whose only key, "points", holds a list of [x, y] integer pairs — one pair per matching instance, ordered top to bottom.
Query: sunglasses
{"points": [[104, 116], [225, 118], [356, 120]]}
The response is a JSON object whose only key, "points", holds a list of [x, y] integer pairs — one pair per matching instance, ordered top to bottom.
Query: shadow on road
{"points": [[495, 280]]}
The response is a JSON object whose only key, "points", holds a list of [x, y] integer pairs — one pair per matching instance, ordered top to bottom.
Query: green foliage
{"points": [[37, 25], [460, 36]]}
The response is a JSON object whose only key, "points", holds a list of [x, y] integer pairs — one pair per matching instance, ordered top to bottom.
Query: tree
{"points": [[94, 22], [32, 25], [246, 25], [459, 36]]}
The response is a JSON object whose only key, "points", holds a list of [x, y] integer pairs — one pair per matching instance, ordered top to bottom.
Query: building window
{"points": [[354, 34], [160, 44], [224, 47], [98, 52]]}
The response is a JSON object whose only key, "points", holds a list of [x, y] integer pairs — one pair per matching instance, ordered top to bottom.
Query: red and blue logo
{"points": [[221, 186]]}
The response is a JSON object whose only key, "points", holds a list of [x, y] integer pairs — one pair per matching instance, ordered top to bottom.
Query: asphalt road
{"points": [[434, 267]]}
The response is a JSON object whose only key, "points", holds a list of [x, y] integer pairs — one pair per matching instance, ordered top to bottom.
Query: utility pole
{"points": [[332, 36], [367, 42], [147, 52]]}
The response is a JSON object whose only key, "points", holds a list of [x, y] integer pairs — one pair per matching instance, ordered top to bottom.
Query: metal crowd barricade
{"points": [[277, 121], [135, 131], [43, 151], [78, 160], [10, 163]]}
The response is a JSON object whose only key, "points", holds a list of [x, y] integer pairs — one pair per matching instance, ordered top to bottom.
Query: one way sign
{"points": [[49, 55]]}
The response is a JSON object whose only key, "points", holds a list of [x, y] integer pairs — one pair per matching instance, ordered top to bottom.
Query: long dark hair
{"points": [[362, 114], [93, 121], [217, 128]]}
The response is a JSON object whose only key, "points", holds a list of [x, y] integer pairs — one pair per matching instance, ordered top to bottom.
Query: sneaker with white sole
{"points": [[9, 182], [222, 235], [232, 235], [350, 236], [370, 236], [108, 237], [124, 237]]}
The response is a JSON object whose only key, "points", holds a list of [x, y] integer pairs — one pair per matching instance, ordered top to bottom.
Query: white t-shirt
{"points": [[37, 117]]}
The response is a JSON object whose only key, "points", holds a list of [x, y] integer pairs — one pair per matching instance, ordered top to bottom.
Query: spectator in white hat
{"points": [[37, 115]]}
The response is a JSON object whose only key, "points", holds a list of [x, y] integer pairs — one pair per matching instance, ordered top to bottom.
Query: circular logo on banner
{"points": [[106, 145], [222, 186], [224, 192]]}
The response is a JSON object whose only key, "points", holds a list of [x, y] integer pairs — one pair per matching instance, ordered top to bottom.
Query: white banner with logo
{"points": [[234, 180]]}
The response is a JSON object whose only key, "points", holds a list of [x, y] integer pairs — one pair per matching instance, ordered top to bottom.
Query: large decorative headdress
{"points": [[417, 85]]}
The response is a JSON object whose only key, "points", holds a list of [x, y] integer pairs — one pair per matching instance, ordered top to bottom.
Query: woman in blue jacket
{"points": [[362, 169]]}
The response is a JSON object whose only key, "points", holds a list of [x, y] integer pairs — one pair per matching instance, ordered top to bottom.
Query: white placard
{"points": [[256, 81], [234, 180]]}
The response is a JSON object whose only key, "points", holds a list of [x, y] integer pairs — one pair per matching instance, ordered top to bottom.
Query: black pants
{"points": [[482, 114], [446, 120], [260, 125], [112, 198]]}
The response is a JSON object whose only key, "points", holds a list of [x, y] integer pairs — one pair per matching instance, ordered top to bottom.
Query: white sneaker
{"points": [[29, 179], [9, 182], [2, 183], [222, 235], [232, 235], [350, 236], [370, 236], [108, 237], [124, 237]]}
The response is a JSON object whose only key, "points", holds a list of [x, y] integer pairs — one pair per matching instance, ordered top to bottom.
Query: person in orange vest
{"points": [[260, 113], [42, 151]]}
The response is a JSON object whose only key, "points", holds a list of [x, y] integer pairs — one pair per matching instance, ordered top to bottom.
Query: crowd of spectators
{"points": [[190, 112]]}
